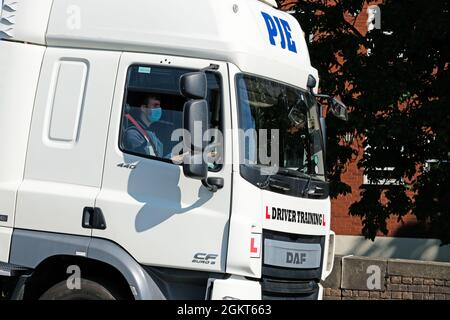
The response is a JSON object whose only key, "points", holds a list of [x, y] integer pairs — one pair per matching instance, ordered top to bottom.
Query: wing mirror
{"points": [[194, 86], [338, 109]]}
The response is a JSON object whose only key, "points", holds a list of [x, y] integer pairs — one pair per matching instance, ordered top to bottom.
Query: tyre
{"points": [[90, 290]]}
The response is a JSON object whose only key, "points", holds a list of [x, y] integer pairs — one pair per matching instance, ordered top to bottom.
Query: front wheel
{"points": [[89, 290]]}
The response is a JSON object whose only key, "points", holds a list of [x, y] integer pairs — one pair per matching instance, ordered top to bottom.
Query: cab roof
{"points": [[251, 34]]}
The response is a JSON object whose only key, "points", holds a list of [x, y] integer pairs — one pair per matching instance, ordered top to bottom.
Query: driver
{"points": [[138, 137]]}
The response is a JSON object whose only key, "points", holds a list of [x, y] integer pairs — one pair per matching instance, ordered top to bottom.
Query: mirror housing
{"points": [[312, 83], [194, 85], [338, 109], [195, 125], [323, 126], [195, 167]]}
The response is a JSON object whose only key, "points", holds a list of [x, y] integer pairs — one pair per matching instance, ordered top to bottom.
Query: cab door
{"points": [[151, 209]]}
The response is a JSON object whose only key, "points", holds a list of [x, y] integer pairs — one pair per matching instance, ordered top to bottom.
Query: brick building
{"points": [[407, 238]]}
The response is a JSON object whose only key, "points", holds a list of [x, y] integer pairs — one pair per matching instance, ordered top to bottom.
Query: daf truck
{"points": [[95, 99]]}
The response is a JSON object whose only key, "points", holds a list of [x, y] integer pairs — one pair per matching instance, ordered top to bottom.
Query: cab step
{"points": [[11, 270]]}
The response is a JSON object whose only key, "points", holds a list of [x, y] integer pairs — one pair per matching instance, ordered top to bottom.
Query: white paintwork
{"points": [[272, 3], [27, 20], [170, 27], [179, 28], [19, 71], [67, 104], [62, 178], [277, 200], [53, 207], [249, 209], [154, 212], [248, 215], [245, 219], [5, 243], [396, 248], [329, 255], [235, 288], [320, 295]]}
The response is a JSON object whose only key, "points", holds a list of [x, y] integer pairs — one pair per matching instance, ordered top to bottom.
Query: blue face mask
{"points": [[154, 114]]}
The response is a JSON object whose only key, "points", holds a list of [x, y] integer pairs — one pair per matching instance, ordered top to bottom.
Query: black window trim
{"points": [[124, 100], [323, 184]]}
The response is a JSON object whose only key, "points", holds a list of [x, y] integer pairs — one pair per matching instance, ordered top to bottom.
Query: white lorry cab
{"points": [[160, 150]]}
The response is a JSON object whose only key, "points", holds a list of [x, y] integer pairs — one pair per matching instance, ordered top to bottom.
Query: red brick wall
{"points": [[341, 222], [344, 224]]}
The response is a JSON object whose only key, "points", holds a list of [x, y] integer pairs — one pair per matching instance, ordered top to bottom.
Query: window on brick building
{"points": [[383, 175], [384, 181]]}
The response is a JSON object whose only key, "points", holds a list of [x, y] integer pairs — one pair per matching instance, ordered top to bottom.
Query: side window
{"points": [[153, 111]]}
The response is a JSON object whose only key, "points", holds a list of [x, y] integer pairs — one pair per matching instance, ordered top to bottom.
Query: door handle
{"points": [[93, 218]]}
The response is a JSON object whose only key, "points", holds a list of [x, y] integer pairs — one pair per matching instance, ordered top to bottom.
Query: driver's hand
{"points": [[179, 158]]}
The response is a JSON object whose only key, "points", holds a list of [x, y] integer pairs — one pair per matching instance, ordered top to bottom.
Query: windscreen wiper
{"points": [[292, 173], [299, 174], [276, 183], [279, 184], [307, 190]]}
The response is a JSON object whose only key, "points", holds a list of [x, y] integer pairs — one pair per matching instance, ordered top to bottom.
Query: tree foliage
{"points": [[396, 81]]}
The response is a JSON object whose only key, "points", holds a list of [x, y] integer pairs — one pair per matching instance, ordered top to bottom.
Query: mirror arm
{"points": [[211, 67], [325, 96], [332, 103], [213, 184], [210, 188]]}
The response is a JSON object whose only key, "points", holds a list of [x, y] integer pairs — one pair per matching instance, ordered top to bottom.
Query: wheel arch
{"points": [[36, 249], [57, 268]]}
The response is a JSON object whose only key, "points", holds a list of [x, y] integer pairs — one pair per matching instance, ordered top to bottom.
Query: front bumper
{"points": [[292, 266], [236, 288]]}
